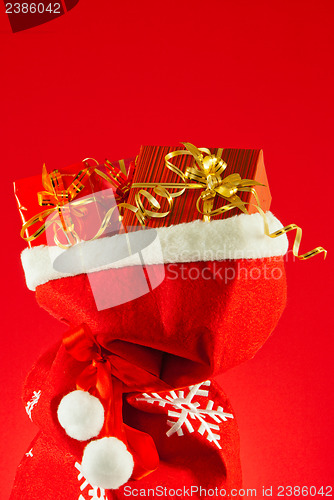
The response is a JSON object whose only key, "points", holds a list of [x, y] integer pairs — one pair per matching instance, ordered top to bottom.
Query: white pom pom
{"points": [[81, 415], [107, 463]]}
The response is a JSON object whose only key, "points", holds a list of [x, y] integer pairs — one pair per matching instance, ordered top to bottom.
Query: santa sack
{"points": [[126, 401]]}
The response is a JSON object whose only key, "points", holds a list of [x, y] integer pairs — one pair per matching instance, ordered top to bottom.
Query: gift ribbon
{"points": [[209, 175], [297, 240], [106, 376]]}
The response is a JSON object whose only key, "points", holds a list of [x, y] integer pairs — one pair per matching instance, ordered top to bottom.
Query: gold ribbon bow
{"points": [[208, 174], [56, 197]]}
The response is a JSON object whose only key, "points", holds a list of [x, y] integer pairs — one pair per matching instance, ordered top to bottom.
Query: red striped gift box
{"points": [[151, 168]]}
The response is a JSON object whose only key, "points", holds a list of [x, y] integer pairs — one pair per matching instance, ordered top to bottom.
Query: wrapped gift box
{"points": [[151, 168], [86, 220]]}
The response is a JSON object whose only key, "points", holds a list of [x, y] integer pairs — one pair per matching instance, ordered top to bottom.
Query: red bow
{"points": [[105, 377]]}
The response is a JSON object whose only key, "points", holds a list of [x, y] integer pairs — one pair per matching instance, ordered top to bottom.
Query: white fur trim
{"points": [[238, 237], [81, 415], [107, 463]]}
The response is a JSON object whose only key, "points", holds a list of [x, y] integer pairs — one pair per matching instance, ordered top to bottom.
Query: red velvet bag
{"points": [[126, 401]]}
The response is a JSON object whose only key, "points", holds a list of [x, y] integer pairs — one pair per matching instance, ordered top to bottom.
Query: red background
{"points": [[109, 76]]}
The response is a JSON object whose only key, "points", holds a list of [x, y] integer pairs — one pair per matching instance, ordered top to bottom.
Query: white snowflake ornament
{"points": [[32, 403], [185, 412], [94, 492]]}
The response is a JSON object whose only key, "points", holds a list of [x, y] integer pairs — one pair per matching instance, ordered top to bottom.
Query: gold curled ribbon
{"points": [[123, 186], [297, 240]]}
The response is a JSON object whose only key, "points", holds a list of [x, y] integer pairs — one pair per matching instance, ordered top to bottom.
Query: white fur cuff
{"points": [[238, 237]]}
